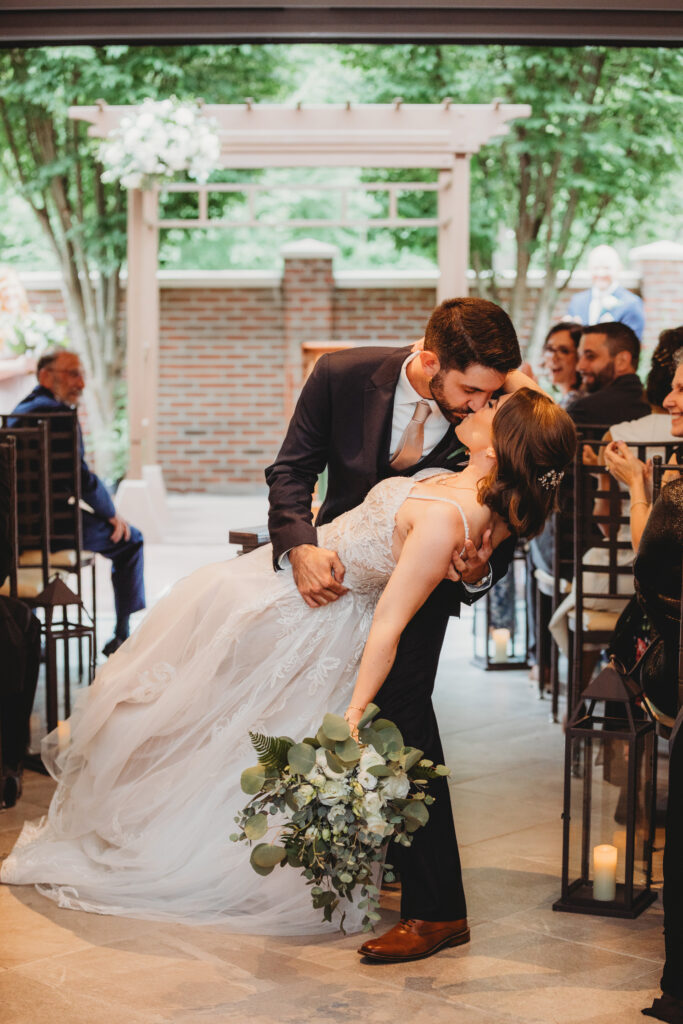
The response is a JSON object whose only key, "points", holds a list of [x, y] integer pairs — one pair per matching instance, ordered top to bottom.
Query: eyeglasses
{"points": [[559, 350], [73, 374]]}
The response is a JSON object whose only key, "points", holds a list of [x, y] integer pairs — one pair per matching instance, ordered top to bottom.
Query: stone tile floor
{"points": [[525, 963]]}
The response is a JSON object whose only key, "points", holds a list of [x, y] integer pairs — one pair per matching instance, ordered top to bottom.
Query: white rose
{"points": [[369, 758], [321, 761], [315, 776], [367, 780], [396, 787], [332, 792], [304, 795], [372, 804], [377, 825]]}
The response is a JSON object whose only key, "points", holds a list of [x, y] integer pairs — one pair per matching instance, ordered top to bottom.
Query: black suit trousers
{"points": [[431, 877]]}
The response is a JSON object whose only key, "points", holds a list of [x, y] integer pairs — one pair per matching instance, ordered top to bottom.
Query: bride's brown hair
{"points": [[534, 441]]}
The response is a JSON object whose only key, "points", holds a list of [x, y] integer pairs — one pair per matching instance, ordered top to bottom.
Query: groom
{"points": [[367, 414]]}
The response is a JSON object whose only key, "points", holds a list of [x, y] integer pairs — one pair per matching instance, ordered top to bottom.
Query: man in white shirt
{"points": [[367, 414]]}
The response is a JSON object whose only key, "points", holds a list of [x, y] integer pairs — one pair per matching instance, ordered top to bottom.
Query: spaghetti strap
{"points": [[450, 501]]}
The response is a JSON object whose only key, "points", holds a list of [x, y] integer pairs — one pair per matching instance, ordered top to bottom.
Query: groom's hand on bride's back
{"points": [[318, 574]]}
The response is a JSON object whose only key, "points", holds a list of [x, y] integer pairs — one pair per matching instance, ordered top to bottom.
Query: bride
{"points": [[149, 784]]}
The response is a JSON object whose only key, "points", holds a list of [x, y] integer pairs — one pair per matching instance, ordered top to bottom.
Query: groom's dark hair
{"points": [[470, 330]]}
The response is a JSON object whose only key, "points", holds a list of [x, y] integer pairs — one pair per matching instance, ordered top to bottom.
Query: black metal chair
{"points": [[67, 554], [40, 582]]}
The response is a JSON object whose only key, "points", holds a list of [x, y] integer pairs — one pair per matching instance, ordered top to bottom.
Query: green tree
{"points": [[51, 162], [590, 164]]}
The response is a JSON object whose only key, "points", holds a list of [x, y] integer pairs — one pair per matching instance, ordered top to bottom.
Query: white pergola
{"points": [[441, 136]]}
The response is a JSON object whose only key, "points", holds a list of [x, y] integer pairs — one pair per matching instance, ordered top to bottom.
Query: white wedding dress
{"points": [[149, 786]]}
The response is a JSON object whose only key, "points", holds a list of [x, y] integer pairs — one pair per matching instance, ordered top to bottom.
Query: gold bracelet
{"points": [[641, 501], [354, 707]]}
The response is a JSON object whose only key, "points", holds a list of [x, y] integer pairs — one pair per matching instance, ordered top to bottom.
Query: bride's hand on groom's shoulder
{"points": [[318, 574]]}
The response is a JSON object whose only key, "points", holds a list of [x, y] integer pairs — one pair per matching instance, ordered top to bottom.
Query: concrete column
{"points": [[454, 229], [661, 265], [308, 306], [142, 319], [141, 497]]}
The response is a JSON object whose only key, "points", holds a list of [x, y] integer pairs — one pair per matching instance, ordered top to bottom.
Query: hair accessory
{"points": [[551, 479]]}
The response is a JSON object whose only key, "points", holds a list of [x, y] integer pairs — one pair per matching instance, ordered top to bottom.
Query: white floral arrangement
{"points": [[161, 138], [32, 333], [338, 802]]}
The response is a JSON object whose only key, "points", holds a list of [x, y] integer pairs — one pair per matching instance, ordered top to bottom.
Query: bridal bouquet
{"points": [[159, 139], [338, 802]]}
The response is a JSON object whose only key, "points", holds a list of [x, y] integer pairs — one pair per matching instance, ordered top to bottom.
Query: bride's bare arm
{"points": [[422, 564]]}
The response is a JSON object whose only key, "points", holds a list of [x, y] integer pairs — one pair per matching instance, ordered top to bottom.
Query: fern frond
{"points": [[271, 750]]}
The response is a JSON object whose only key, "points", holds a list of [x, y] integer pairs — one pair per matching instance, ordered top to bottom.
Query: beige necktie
{"points": [[409, 450]]}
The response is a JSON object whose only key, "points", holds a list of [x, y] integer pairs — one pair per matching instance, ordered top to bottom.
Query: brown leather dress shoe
{"points": [[411, 939]]}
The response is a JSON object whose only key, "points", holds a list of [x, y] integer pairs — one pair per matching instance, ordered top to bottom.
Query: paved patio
{"points": [[525, 963]]}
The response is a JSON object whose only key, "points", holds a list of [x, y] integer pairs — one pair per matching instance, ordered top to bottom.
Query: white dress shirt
{"points": [[405, 400]]}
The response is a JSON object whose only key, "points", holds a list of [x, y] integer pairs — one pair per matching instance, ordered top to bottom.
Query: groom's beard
{"points": [[452, 413]]}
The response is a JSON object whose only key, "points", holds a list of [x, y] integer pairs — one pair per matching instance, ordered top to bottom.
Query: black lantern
{"points": [[505, 647], [609, 802]]}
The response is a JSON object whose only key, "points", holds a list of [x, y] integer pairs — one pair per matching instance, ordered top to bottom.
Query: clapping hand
{"points": [[588, 456], [623, 464]]}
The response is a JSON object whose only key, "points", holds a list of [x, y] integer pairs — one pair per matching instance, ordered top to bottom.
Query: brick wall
{"points": [[230, 360], [221, 389]]}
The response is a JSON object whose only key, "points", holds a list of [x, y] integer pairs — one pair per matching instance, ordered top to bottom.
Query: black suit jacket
{"points": [[621, 399], [343, 421]]}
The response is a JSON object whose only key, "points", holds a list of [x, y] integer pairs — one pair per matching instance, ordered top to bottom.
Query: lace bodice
{"points": [[362, 537]]}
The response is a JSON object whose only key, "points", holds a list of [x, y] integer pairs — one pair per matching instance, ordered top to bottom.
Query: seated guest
{"points": [[606, 300], [560, 356], [608, 361], [60, 386], [655, 428], [657, 533], [20, 659]]}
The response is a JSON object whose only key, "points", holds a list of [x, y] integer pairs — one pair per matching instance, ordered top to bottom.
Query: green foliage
{"points": [[336, 728], [271, 750], [301, 758], [253, 779], [334, 816]]}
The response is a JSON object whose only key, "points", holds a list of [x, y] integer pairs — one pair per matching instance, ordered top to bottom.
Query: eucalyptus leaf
{"points": [[370, 711], [336, 727], [391, 736], [323, 740], [348, 751], [411, 756], [301, 758], [333, 762], [380, 771], [252, 779], [415, 810], [256, 827], [266, 855]]}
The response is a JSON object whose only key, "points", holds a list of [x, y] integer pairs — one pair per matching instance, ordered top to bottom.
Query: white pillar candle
{"points": [[501, 638], [63, 735], [604, 872]]}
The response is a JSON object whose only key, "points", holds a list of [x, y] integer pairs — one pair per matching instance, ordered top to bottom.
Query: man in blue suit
{"points": [[607, 301], [61, 381]]}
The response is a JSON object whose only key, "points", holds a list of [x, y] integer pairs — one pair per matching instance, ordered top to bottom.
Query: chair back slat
{"points": [[64, 476], [8, 481], [33, 492], [603, 555]]}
